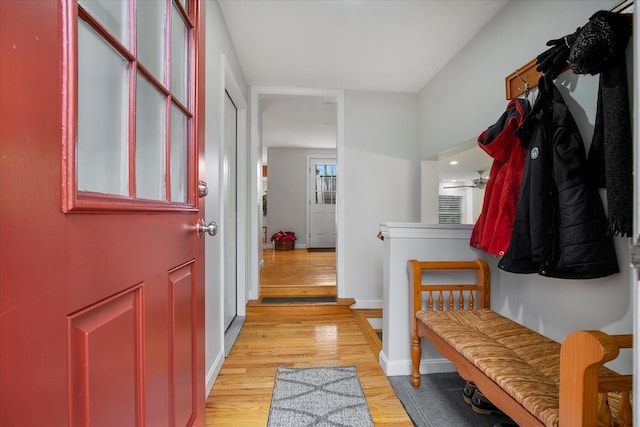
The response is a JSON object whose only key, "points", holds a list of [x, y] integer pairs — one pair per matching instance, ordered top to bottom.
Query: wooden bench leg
{"points": [[416, 355]]}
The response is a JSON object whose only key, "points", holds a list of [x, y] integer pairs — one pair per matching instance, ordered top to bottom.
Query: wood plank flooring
{"points": [[297, 273], [371, 335], [241, 395]]}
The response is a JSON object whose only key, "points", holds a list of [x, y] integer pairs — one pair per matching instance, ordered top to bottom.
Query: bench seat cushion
{"points": [[522, 362]]}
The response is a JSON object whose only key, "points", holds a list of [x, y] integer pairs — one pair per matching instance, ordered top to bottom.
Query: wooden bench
{"points": [[534, 380]]}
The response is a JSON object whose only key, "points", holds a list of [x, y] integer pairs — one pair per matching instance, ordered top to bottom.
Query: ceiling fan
{"points": [[477, 183]]}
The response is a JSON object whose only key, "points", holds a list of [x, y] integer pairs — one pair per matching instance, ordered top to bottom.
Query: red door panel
{"points": [[133, 245], [183, 303], [101, 314], [105, 362], [157, 375]]}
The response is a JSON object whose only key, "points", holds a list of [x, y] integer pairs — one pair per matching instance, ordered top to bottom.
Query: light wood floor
{"points": [[297, 273], [241, 395]]}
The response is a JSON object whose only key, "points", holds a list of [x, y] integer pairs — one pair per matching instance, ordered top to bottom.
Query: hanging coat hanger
{"points": [[522, 80], [527, 88]]}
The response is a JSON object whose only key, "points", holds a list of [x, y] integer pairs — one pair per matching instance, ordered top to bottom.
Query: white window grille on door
{"points": [[325, 184]]}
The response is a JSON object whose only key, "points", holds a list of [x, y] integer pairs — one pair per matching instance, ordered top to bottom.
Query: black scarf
{"points": [[600, 48]]}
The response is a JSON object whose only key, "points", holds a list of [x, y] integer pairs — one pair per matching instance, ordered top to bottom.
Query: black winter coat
{"points": [[560, 229]]}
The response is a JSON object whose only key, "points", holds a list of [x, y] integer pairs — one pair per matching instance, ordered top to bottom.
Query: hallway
{"points": [[309, 335], [241, 395]]}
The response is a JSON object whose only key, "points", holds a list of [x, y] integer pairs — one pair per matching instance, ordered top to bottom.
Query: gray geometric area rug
{"points": [[322, 397], [438, 402]]}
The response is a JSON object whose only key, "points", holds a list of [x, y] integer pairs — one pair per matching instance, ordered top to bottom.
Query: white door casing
{"points": [[229, 165], [255, 257]]}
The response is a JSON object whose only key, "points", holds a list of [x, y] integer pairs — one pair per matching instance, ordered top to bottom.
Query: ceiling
{"points": [[376, 45], [387, 45], [298, 121]]}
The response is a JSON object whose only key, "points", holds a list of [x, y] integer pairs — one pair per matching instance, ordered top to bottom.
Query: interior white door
{"points": [[322, 203], [230, 215]]}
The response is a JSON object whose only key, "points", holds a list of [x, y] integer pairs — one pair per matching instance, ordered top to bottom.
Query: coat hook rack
{"points": [[522, 80], [516, 83]]}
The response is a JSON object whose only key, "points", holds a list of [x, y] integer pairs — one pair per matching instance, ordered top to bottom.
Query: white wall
{"points": [[220, 55], [467, 96], [381, 183], [428, 193], [287, 196]]}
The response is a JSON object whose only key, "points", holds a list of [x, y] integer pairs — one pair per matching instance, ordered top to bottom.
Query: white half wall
{"points": [[402, 242]]}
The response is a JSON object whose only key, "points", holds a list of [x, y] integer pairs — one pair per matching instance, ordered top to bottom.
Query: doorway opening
{"points": [[295, 126]]}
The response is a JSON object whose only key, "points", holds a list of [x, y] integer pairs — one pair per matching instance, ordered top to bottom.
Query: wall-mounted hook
{"points": [[523, 80], [527, 88]]}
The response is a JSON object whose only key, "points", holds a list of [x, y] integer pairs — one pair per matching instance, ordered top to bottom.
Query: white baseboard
{"points": [[270, 245], [404, 367], [213, 372]]}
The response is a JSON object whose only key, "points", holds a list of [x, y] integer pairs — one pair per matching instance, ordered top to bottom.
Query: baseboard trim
{"points": [[232, 332], [404, 367], [213, 372]]}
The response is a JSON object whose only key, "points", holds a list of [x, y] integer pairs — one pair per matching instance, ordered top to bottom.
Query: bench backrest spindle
{"points": [[477, 294], [604, 413], [625, 416]]}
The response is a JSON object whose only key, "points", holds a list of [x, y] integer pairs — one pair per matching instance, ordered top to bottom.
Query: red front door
{"points": [[101, 297]]}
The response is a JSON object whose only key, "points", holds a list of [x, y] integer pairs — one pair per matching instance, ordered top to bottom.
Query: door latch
{"points": [[203, 189]]}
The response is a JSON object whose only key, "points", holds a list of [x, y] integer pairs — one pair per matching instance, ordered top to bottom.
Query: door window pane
{"points": [[112, 14], [150, 37], [178, 57], [103, 110], [132, 138], [150, 141], [178, 155], [325, 184]]}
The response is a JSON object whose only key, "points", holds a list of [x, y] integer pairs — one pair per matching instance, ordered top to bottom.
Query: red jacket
{"points": [[492, 231]]}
